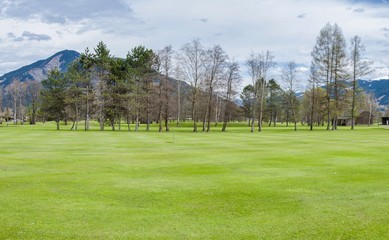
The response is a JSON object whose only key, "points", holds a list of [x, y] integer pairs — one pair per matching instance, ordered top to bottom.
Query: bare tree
{"points": [[165, 57], [329, 57], [322, 58], [192, 61], [216, 62], [265, 63], [259, 65], [359, 67], [86, 68], [254, 72], [339, 72], [178, 74], [289, 77], [233, 80], [313, 80], [14, 91], [33, 93], [371, 106], [7, 114]]}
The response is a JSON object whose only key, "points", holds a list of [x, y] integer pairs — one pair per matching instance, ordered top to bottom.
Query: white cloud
{"points": [[359, 10], [26, 35]]}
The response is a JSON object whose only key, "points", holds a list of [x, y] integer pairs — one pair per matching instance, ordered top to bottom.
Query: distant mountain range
{"points": [[61, 60], [39, 70], [380, 89]]}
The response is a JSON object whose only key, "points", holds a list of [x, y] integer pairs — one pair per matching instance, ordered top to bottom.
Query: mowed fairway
{"points": [[278, 184]]}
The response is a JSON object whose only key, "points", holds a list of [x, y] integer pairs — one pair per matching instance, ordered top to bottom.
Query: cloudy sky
{"points": [[34, 30]]}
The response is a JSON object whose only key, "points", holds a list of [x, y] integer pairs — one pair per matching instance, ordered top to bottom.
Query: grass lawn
{"points": [[277, 184]]}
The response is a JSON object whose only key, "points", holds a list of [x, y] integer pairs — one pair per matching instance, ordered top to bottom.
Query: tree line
{"points": [[196, 84], [145, 87], [332, 96]]}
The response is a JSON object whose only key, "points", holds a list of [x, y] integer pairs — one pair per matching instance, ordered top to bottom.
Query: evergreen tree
{"points": [[140, 59], [101, 67], [54, 94]]}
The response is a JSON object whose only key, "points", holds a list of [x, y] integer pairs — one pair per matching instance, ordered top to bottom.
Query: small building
{"points": [[364, 118], [343, 121], [385, 121]]}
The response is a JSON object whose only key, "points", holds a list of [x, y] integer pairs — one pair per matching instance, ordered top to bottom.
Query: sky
{"points": [[35, 30]]}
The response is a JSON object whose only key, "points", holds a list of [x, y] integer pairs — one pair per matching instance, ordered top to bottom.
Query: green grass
{"points": [[277, 184]]}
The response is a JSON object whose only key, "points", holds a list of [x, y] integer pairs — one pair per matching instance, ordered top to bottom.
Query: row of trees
{"points": [[334, 67], [198, 84], [333, 86], [140, 88], [20, 100], [284, 106]]}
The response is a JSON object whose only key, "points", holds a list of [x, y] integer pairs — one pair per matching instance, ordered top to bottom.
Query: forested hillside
{"points": [[379, 88]]}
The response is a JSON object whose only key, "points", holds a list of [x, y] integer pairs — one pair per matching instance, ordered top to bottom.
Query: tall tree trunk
{"points": [[328, 95], [353, 100], [178, 102], [261, 105], [160, 106], [312, 107], [209, 109], [137, 110], [217, 110], [227, 110], [194, 111], [253, 111], [87, 112], [293, 112], [328, 112], [15, 113], [148, 113], [33, 115], [160, 117], [167, 117], [271, 117], [287, 118], [275, 119], [75, 120], [101, 121], [225, 121], [57, 122], [128, 122], [137, 122], [147, 122], [204, 122], [113, 123], [335, 125]]}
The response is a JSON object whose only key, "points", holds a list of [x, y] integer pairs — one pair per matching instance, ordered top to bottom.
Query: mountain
{"points": [[39, 70], [380, 89]]}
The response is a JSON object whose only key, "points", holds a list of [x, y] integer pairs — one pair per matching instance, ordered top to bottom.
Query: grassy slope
{"points": [[277, 184]]}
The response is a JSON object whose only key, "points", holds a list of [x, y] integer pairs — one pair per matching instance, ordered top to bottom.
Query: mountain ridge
{"points": [[38, 70], [380, 89]]}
